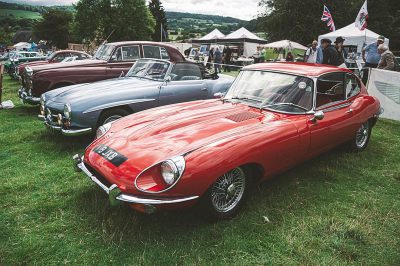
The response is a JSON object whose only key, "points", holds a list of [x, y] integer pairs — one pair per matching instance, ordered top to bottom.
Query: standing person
{"points": [[339, 48], [311, 53], [330, 53], [320, 54], [210, 57], [289, 57], [227, 58], [372, 59], [217, 61], [388, 61]]}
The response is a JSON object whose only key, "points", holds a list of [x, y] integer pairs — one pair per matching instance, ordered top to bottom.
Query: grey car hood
{"points": [[106, 89]]}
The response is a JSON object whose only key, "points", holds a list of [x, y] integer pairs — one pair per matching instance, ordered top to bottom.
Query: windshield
{"points": [[104, 52], [50, 56], [150, 69], [275, 91]]}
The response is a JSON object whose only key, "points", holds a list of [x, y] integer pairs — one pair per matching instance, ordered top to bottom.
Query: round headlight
{"points": [[42, 100], [67, 111], [102, 130], [169, 172]]}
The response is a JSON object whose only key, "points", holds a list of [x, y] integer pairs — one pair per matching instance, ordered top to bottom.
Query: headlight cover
{"points": [[42, 100], [67, 111], [102, 130], [172, 169]]}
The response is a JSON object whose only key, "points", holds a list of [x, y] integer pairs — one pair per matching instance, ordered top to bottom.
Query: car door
{"points": [[122, 60], [186, 84], [333, 128]]}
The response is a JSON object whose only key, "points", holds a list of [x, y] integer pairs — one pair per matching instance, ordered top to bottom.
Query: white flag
{"points": [[362, 17]]}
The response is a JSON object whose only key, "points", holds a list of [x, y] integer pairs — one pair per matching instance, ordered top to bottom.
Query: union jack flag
{"points": [[326, 16]]}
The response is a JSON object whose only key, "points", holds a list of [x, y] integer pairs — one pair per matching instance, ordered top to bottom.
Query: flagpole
{"points": [[161, 32]]}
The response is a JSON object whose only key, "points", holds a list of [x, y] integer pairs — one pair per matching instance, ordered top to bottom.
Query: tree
{"points": [[158, 12], [129, 20], [301, 22], [54, 27]]}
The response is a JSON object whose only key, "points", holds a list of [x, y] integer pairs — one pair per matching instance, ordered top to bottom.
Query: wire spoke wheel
{"points": [[362, 135], [228, 190]]}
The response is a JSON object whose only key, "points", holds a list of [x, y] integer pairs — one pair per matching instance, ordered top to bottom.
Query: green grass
{"points": [[19, 14], [340, 208]]}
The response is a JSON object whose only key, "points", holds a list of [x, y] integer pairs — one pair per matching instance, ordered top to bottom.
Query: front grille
{"points": [[52, 116], [243, 116], [97, 175]]}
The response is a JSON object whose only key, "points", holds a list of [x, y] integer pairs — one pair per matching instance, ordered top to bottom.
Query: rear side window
{"points": [[151, 52], [126, 53], [164, 54], [352, 86], [330, 89]]}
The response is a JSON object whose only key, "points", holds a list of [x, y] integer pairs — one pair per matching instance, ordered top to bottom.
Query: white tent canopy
{"points": [[242, 33], [215, 34], [353, 36], [285, 44], [22, 45]]}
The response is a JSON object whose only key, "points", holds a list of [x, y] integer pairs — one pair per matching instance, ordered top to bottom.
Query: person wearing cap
{"points": [[339, 48], [330, 54], [372, 58], [388, 61]]}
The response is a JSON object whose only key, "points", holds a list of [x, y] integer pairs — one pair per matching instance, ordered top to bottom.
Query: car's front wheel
{"points": [[361, 138], [226, 196]]}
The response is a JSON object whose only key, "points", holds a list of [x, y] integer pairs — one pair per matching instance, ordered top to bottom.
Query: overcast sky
{"points": [[243, 9]]}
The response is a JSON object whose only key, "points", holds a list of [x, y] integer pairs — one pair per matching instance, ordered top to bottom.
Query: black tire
{"points": [[112, 115], [361, 138], [212, 203]]}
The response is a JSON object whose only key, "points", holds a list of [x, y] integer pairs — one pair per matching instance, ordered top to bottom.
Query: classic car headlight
{"points": [[29, 71], [42, 100], [67, 111], [102, 130], [172, 169]]}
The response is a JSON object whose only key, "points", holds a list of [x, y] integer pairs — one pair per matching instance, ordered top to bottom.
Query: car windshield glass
{"points": [[104, 52], [50, 56], [150, 69], [270, 90]]}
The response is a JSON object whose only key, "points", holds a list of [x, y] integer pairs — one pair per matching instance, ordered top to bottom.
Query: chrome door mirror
{"points": [[219, 95], [318, 115]]}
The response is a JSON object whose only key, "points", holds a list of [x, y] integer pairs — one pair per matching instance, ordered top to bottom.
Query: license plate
{"points": [[110, 155]]}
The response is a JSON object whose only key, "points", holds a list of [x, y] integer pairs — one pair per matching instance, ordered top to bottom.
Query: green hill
{"points": [[19, 14]]}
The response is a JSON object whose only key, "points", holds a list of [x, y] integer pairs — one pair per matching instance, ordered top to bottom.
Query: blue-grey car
{"points": [[81, 109]]}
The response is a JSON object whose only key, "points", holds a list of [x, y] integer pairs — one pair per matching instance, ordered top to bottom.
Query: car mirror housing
{"points": [[167, 79], [219, 95], [318, 115]]}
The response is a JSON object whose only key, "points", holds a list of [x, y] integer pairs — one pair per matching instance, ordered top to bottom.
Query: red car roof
{"points": [[298, 68]]}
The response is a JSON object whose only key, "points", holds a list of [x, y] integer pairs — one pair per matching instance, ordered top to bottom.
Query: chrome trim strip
{"points": [[104, 106], [58, 128], [76, 132], [131, 198]]}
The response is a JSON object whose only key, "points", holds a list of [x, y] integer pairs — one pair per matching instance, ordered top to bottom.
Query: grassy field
{"points": [[19, 14], [340, 208]]}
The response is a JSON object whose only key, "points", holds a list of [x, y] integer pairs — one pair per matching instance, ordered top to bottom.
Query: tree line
{"points": [[301, 21]]}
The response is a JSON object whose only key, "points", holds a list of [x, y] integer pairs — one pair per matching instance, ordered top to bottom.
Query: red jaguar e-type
{"points": [[273, 117]]}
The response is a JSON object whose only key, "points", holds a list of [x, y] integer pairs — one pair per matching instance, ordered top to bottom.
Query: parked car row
{"points": [[168, 135]]}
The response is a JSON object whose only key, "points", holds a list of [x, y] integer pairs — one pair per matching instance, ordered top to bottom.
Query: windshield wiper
{"points": [[290, 104]]}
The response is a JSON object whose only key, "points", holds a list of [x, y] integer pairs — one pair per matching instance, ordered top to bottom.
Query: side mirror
{"points": [[168, 79], [219, 95], [318, 115]]}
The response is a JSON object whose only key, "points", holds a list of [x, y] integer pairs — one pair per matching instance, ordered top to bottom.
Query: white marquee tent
{"points": [[215, 34], [353, 36], [285, 44], [22, 45]]}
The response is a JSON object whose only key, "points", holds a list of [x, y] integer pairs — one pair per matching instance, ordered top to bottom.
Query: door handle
{"points": [[349, 111]]}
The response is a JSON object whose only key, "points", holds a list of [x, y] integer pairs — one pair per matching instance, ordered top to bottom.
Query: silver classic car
{"points": [[82, 109]]}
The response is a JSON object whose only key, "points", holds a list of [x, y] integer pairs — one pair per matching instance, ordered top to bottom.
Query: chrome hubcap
{"points": [[112, 118], [362, 135], [228, 190]]}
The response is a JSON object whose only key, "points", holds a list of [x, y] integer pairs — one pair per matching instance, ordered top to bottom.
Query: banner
{"points": [[362, 17], [385, 85]]}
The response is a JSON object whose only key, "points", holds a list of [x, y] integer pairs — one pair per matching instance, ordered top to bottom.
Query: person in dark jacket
{"points": [[339, 48], [331, 56], [289, 57], [227, 58]]}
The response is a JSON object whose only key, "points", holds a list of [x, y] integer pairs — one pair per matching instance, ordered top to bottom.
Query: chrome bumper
{"points": [[25, 98], [65, 132], [115, 193]]}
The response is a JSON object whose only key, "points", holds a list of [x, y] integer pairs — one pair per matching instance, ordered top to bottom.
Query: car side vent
{"points": [[243, 116]]}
